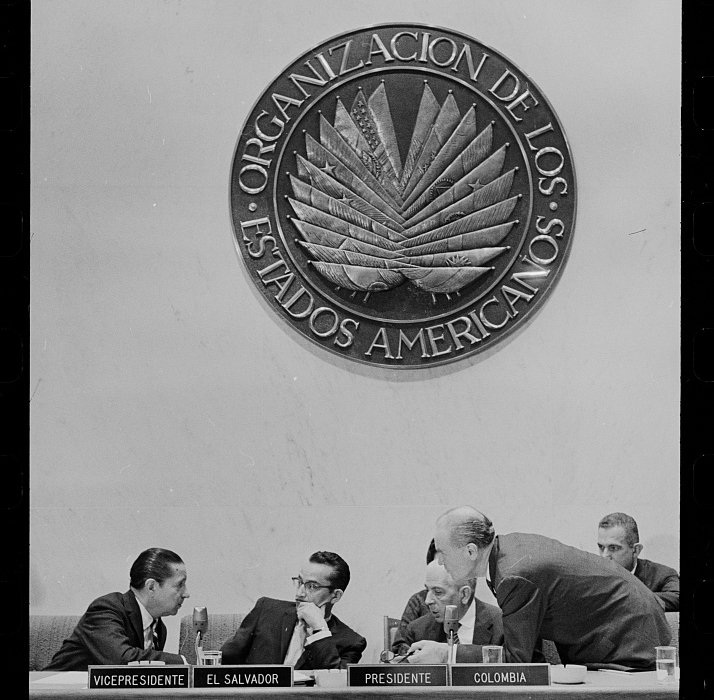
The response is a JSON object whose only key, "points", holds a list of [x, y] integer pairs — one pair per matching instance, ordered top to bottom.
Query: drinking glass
{"points": [[492, 654], [211, 658], [666, 664]]}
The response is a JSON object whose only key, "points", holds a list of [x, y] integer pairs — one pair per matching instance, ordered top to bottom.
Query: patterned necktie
{"points": [[456, 634], [154, 635], [297, 644]]}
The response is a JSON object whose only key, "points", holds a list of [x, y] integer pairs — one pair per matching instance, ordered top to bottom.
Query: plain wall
{"points": [[170, 408]]}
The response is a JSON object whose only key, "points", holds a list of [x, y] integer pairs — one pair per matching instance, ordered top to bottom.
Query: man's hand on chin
{"points": [[311, 615], [428, 652]]}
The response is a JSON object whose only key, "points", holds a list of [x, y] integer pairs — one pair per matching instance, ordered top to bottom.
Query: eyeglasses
{"points": [[310, 586], [389, 657]]}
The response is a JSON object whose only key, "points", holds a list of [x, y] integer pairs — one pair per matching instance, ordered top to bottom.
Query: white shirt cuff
{"points": [[322, 634]]}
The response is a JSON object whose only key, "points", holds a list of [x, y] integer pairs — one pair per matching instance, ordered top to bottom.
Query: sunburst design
{"points": [[370, 223]]}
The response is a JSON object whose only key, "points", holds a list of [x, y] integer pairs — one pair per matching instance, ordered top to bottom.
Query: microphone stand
{"points": [[200, 625], [199, 647], [450, 653]]}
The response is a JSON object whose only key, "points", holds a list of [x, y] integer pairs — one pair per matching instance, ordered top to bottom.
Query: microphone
{"points": [[451, 622], [200, 625], [451, 626]]}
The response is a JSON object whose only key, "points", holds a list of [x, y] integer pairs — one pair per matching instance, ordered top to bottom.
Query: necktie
{"points": [[490, 585], [456, 634], [154, 635], [297, 644]]}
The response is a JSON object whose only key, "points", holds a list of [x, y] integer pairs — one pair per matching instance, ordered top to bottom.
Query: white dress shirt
{"points": [[147, 622], [467, 624]]}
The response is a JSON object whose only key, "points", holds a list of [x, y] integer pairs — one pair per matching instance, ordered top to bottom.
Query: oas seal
{"points": [[403, 196]]}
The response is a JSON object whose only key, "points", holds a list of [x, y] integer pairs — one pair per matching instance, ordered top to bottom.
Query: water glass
{"points": [[492, 654], [211, 658], [666, 664]]}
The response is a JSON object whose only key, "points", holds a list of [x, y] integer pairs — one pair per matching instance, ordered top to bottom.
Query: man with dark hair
{"points": [[618, 539], [416, 606], [597, 613], [479, 622], [121, 627], [304, 633]]}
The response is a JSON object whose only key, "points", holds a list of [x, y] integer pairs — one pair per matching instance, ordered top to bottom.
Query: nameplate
{"points": [[500, 674], [364, 675], [242, 676], [142, 677]]}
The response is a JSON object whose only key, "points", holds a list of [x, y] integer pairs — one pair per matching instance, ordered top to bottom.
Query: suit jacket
{"points": [[662, 580], [415, 607], [596, 612], [488, 629], [111, 632], [265, 633]]}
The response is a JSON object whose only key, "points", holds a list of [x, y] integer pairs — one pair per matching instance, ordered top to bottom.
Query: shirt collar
{"points": [[469, 618], [146, 619]]}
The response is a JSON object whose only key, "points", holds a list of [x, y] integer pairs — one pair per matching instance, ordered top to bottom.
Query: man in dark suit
{"points": [[618, 539], [416, 605], [597, 613], [479, 622], [122, 627], [304, 633]]}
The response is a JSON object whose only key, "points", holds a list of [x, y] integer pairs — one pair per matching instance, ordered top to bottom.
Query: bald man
{"points": [[596, 612], [479, 622]]}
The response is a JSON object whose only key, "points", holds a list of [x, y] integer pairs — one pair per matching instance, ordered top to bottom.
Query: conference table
{"points": [[598, 685]]}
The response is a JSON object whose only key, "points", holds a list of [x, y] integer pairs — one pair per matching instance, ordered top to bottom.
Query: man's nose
{"points": [[429, 598]]}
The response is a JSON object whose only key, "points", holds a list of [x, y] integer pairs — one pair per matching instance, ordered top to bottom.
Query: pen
{"points": [[406, 656], [614, 670]]}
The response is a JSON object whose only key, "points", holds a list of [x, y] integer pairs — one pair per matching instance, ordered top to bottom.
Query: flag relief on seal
{"points": [[403, 196]]}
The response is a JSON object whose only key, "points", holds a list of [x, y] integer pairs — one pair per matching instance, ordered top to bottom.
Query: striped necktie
{"points": [[154, 634], [456, 635]]}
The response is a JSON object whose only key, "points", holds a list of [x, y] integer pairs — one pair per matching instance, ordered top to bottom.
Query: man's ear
{"points": [[638, 548], [472, 551], [150, 585], [465, 594], [336, 595]]}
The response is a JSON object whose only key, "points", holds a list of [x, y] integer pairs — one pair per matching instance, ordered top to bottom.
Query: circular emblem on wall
{"points": [[403, 196]]}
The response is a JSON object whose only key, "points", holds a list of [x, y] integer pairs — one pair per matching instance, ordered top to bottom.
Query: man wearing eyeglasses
{"points": [[304, 633]]}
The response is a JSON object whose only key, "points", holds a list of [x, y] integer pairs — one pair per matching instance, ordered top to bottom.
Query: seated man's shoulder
{"points": [[665, 568], [651, 569], [418, 597], [108, 600], [273, 604], [415, 607], [488, 610], [423, 623], [352, 637]]}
